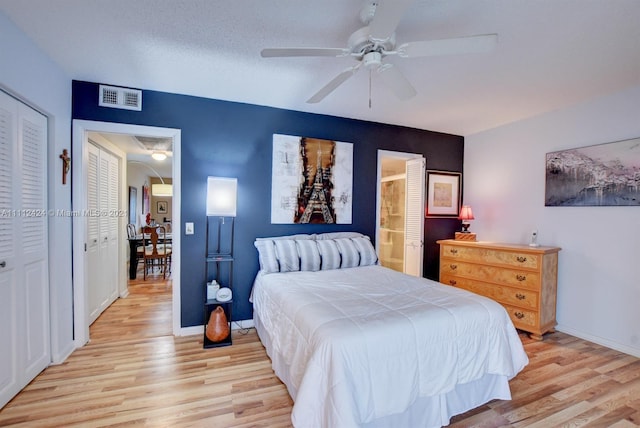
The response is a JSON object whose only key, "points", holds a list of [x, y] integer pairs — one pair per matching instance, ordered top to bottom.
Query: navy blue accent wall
{"points": [[231, 139]]}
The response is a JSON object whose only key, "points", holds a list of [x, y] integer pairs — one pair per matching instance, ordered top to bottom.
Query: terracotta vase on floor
{"points": [[218, 327]]}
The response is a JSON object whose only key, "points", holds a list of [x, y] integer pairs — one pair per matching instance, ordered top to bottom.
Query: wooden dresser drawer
{"points": [[498, 257], [492, 273], [507, 295], [522, 318]]}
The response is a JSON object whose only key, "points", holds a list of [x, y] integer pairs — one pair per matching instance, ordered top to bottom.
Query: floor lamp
{"points": [[221, 203]]}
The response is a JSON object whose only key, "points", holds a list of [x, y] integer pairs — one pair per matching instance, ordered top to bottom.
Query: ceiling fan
{"points": [[376, 40]]}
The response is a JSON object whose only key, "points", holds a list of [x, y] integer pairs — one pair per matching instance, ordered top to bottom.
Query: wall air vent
{"points": [[116, 97]]}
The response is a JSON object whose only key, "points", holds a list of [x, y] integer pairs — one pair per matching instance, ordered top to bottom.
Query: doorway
{"points": [[81, 131], [400, 211]]}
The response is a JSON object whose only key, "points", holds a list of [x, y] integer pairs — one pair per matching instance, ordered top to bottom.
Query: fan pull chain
{"points": [[369, 89]]}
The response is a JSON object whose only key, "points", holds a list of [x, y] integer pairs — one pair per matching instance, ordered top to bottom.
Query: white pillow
{"points": [[337, 235], [287, 253], [349, 253], [329, 254], [368, 254], [309, 255], [267, 256]]}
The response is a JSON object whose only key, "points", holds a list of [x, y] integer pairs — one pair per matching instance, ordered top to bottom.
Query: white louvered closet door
{"points": [[414, 219], [102, 230], [93, 233], [112, 239], [24, 283]]}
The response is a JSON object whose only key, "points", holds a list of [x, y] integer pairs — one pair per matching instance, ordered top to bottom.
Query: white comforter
{"points": [[363, 343]]}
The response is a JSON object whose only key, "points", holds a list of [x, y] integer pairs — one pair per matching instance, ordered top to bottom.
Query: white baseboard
{"points": [[242, 324], [190, 331], [600, 341], [63, 354]]}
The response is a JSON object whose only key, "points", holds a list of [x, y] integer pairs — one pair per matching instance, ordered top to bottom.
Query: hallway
{"points": [[145, 313]]}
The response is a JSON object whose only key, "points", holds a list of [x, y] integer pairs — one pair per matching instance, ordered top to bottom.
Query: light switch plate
{"points": [[188, 228]]}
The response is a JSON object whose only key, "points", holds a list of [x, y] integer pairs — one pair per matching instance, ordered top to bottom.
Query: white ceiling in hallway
{"points": [[136, 152]]}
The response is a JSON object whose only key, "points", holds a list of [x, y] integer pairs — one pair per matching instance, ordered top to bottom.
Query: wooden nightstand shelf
{"points": [[219, 267], [521, 278]]}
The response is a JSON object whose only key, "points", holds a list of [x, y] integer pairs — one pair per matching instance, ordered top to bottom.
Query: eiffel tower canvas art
{"points": [[312, 180]]}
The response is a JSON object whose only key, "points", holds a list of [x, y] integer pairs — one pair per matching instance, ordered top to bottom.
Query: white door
{"points": [[414, 217], [102, 230], [93, 232], [400, 246], [24, 285]]}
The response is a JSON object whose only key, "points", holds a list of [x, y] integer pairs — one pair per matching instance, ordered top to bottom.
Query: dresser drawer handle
{"points": [[453, 251], [521, 259], [453, 267], [521, 277], [453, 282], [520, 296], [518, 315]]}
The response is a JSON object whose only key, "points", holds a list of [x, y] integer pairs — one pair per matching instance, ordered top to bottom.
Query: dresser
{"points": [[521, 278]]}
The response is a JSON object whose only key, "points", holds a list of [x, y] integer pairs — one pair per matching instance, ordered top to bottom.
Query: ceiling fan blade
{"points": [[386, 18], [459, 45], [290, 52], [395, 80], [333, 84]]}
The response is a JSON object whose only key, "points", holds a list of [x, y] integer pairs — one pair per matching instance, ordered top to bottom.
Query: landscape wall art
{"points": [[600, 175]]}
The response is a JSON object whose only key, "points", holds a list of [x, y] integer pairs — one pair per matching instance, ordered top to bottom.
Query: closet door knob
{"points": [[3, 264]]}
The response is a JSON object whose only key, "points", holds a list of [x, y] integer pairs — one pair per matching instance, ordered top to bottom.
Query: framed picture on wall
{"points": [[600, 175], [443, 194], [161, 207]]}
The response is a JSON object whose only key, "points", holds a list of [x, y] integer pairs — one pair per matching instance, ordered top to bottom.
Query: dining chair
{"points": [[131, 230], [156, 250]]}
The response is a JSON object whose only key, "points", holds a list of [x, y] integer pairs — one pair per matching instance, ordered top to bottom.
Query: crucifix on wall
{"points": [[66, 165]]}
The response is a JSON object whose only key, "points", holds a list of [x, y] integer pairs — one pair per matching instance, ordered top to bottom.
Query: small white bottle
{"points": [[534, 239], [212, 289]]}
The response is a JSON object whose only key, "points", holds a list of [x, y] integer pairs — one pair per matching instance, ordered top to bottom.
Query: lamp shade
{"points": [[162, 190], [221, 196], [466, 213]]}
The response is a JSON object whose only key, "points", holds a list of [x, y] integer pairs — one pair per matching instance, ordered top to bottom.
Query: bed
{"points": [[360, 345]]}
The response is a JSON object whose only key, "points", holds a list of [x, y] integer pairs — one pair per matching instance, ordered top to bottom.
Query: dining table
{"points": [[142, 240]]}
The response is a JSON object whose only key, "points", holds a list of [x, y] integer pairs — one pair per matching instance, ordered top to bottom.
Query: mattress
{"points": [[361, 345]]}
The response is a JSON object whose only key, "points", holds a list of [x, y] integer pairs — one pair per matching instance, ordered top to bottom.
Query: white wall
{"points": [[31, 76], [504, 182]]}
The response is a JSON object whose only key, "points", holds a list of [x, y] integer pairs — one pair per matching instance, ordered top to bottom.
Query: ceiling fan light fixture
{"points": [[372, 59], [159, 156]]}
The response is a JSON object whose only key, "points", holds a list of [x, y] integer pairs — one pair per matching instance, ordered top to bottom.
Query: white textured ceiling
{"points": [[551, 53]]}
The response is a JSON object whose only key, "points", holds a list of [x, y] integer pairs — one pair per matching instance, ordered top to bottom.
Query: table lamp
{"points": [[466, 214]]}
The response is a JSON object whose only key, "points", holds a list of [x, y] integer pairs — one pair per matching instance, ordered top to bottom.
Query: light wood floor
{"points": [[134, 372]]}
